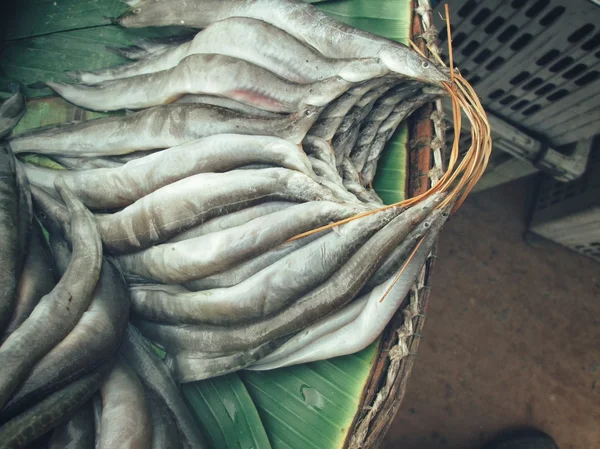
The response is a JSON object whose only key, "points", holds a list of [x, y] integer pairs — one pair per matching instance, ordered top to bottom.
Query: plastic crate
{"points": [[535, 63], [569, 213]]}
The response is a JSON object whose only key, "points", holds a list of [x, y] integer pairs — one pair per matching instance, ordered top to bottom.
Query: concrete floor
{"points": [[512, 336]]}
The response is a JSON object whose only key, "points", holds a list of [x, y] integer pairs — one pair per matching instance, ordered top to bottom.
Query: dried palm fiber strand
{"points": [[383, 394]]}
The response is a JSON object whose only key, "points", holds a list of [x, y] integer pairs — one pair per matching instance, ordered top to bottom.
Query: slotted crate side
{"points": [[534, 63], [569, 213]]}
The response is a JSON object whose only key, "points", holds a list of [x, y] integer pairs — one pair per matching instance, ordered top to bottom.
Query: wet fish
{"points": [[301, 20], [254, 41], [143, 48], [217, 75], [226, 103], [11, 110], [161, 127], [319, 149], [86, 163], [107, 188], [176, 207], [233, 219], [10, 250], [179, 262], [243, 271], [37, 279], [268, 291], [322, 300], [58, 312], [373, 316], [94, 339], [192, 367], [156, 377], [51, 411], [126, 421], [78, 432], [165, 434]]}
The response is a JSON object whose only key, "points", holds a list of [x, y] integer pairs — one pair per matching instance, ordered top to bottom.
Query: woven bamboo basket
{"points": [[400, 342]]}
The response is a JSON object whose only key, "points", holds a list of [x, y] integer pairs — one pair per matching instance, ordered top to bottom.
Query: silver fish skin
{"points": [[303, 21], [254, 41], [144, 48], [217, 75], [226, 103], [11, 111], [160, 127], [319, 148], [86, 163], [108, 188], [160, 215], [233, 219], [10, 250], [179, 262], [243, 271], [37, 279], [268, 291], [322, 300], [58, 312], [374, 316], [95, 338], [192, 367], [157, 378], [50, 412], [126, 422], [76, 433], [165, 434]]}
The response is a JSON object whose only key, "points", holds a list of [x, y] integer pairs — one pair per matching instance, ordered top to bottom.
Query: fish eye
{"points": [[137, 10], [425, 65], [42, 215]]}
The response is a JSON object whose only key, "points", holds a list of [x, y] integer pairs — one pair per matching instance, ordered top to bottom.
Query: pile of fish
{"points": [[199, 222]]}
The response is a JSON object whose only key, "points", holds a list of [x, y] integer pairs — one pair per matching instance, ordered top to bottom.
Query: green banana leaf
{"points": [[306, 406]]}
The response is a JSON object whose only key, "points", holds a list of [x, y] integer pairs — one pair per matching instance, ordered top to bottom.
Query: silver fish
{"points": [[303, 21], [254, 41], [211, 74], [226, 103], [11, 111], [160, 127], [107, 188], [176, 207], [233, 219], [11, 248], [179, 262], [243, 271], [37, 279], [266, 292], [322, 300], [59, 311], [334, 337], [95, 338], [156, 377], [47, 414], [126, 421], [76, 433], [165, 434]]}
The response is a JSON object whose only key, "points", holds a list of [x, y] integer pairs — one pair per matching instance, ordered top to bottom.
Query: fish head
{"points": [[409, 64], [300, 122]]}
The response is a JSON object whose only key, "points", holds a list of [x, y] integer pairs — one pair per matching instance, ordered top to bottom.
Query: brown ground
{"points": [[512, 336]]}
